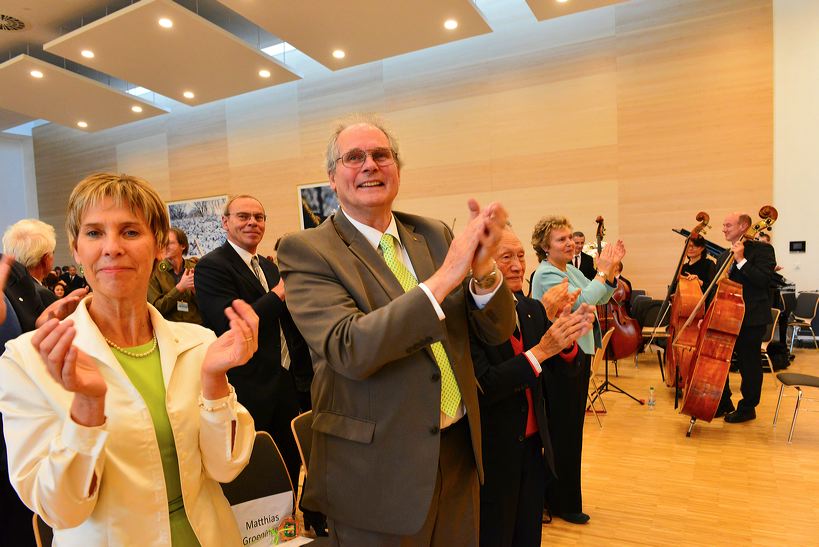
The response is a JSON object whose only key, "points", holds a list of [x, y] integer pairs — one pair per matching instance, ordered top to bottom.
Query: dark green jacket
{"points": [[164, 296]]}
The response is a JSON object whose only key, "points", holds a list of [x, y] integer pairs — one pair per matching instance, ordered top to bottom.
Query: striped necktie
{"points": [[257, 271], [450, 394]]}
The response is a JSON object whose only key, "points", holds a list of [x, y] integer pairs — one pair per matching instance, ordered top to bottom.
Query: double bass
{"points": [[686, 296], [627, 334], [711, 357]]}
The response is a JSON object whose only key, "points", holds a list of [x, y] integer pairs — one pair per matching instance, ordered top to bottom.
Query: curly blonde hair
{"points": [[542, 233]]}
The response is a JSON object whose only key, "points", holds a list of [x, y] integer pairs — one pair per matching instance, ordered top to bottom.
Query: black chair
{"points": [[635, 293], [803, 315], [768, 337], [797, 381], [302, 426], [264, 475], [43, 534]]}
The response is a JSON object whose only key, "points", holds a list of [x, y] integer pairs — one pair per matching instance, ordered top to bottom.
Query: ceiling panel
{"points": [[549, 9], [366, 30], [193, 55], [66, 98], [9, 119]]}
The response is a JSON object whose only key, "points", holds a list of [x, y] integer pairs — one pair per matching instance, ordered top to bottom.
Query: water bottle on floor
{"points": [[652, 401]]}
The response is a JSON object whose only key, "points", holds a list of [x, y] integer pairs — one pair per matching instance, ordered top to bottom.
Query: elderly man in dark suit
{"points": [[752, 266], [235, 271], [386, 305], [517, 450]]}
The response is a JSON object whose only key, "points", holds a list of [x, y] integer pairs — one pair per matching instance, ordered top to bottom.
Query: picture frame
{"points": [[317, 201], [201, 220]]}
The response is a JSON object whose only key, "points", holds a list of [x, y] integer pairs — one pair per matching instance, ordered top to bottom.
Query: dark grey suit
{"points": [[377, 389]]}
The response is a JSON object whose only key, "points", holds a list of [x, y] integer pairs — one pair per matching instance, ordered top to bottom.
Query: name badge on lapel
{"points": [[181, 306]]}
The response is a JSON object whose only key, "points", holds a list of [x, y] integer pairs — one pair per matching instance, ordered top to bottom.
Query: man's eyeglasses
{"points": [[356, 157], [244, 217]]}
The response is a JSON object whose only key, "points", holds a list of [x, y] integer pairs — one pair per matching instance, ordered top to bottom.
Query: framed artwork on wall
{"points": [[316, 203], [201, 220]]}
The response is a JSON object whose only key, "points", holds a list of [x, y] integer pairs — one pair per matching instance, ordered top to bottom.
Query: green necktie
{"points": [[450, 395]]}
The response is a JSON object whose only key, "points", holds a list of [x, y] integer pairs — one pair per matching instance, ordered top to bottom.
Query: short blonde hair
{"points": [[125, 191], [542, 233], [29, 240]]}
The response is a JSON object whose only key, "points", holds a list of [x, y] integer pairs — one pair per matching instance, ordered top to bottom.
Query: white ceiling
{"points": [[549, 9], [366, 30], [130, 49], [193, 55], [64, 97]]}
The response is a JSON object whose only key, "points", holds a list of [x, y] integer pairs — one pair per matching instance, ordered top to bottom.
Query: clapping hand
{"points": [[494, 219], [471, 249], [186, 281], [557, 298], [63, 307], [568, 327], [236, 346], [74, 370]]}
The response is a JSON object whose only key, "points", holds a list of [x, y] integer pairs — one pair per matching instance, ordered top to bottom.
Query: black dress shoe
{"points": [[722, 411], [740, 415], [575, 518], [316, 521]]}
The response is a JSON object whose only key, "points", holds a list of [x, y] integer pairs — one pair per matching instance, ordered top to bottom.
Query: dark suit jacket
{"points": [[587, 265], [221, 277], [755, 277], [72, 284], [21, 290], [46, 296], [503, 378], [377, 389]]}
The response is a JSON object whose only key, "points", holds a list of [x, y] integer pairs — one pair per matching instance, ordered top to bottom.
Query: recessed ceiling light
{"points": [[562, 1], [165, 23], [450, 24], [87, 53], [339, 54], [264, 73], [36, 74], [188, 95], [136, 109], [82, 124]]}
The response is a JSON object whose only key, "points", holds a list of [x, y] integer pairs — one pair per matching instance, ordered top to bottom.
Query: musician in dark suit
{"points": [[582, 261], [752, 266], [234, 271], [73, 281], [386, 305], [517, 450]]}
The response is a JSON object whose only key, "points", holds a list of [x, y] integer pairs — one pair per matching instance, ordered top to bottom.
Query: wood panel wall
{"points": [[646, 113]]}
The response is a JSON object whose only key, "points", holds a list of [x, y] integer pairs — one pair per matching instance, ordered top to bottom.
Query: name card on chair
{"points": [[268, 520]]}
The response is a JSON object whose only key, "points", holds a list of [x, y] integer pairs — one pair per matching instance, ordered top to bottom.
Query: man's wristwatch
{"points": [[487, 281]]}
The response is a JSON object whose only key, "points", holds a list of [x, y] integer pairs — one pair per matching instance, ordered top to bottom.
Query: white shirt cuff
{"points": [[741, 263], [481, 300], [438, 310], [533, 361]]}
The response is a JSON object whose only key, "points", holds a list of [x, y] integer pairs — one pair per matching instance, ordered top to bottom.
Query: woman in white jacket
{"points": [[119, 423]]}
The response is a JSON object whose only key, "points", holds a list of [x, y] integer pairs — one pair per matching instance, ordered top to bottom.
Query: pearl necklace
{"points": [[131, 353]]}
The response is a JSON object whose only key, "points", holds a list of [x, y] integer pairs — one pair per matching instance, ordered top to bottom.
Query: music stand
{"points": [[608, 385]]}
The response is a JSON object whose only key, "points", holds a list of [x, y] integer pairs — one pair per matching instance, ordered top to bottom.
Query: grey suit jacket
{"points": [[377, 389]]}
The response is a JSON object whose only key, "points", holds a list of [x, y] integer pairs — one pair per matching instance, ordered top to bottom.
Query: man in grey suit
{"points": [[396, 454]]}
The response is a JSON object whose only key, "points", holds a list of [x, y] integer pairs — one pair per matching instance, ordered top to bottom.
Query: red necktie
{"points": [[531, 421]]}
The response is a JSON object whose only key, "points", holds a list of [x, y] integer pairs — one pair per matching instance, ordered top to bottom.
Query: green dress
{"points": [[146, 375]]}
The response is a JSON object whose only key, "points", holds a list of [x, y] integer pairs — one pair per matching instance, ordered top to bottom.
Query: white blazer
{"points": [[52, 459]]}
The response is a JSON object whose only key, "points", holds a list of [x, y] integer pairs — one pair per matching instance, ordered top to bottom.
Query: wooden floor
{"points": [[645, 483]]}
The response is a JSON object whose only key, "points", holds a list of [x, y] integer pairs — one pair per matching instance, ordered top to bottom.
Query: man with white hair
{"points": [[32, 242]]}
